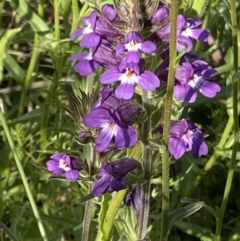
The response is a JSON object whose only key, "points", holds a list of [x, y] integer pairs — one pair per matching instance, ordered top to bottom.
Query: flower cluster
{"points": [[134, 61]]}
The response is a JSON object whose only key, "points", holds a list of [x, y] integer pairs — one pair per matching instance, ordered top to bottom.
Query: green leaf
{"points": [[199, 8], [27, 13], [4, 43], [14, 69], [30, 115], [184, 212], [200, 232]]}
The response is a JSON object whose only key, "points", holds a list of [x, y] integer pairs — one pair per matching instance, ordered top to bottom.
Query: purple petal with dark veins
{"points": [[109, 12], [159, 16], [92, 19], [180, 23], [192, 23], [104, 29], [77, 33], [199, 34], [133, 36], [90, 40], [184, 42], [148, 47], [120, 48], [105, 55], [79, 56], [133, 57], [85, 67], [184, 73], [110, 76], [148, 81], [209, 89], [124, 91], [185, 93], [96, 117], [178, 128], [126, 137], [104, 138], [176, 147], [199, 148], [59, 155], [53, 166], [121, 167], [72, 175], [102, 183], [116, 185]]}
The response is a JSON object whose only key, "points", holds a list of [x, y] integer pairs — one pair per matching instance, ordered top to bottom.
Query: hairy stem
{"points": [[235, 88], [167, 121], [88, 207]]}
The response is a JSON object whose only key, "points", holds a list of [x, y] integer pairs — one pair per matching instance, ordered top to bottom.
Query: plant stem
{"points": [[75, 12], [56, 21], [32, 65], [235, 88], [167, 121], [146, 164], [23, 176], [88, 208], [87, 217]]}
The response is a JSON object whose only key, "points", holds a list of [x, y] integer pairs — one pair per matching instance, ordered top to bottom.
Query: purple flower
{"points": [[109, 12], [96, 28], [187, 29], [90, 39], [133, 44], [102, 55], [86, 65], [129, 75], [192, 76], [113, 128], [186, 136], [60, 163], [111, 174], [134, 198]]}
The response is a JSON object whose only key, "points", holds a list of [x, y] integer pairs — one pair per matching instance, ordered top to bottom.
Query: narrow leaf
{"points": [[23, 9], [4, 43], [184, 212]]}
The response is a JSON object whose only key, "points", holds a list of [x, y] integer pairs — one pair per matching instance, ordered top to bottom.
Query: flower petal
{"points": [[77, 33], [199, 34], [90, 40], [184, 42], [148, 47], [120, 48], [133, 57], [85, 67], [110, 76], [148, 81], [209, 89], [125, 91], [185, 93], [96, 117], [126, 137], [104, 138], [176, 147], [199, 148], [72, 175]]}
